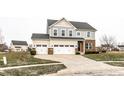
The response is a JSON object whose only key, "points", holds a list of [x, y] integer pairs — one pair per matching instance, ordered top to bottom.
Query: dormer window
{"points": [[55, 32], [63, 32], [70, 33]]}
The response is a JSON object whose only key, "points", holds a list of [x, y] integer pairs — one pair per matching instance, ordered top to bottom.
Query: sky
{"points": [[20, 18]]}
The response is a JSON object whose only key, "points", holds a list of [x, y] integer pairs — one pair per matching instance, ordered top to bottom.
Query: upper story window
{"points": [[55, 32], [63, 32], [70, 33], [78, 33], [88, 34]]}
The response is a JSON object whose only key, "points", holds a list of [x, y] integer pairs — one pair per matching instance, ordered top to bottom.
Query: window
{"points": [[55, 32], [63, 32], [70, 33], [78, 33], [88, 34], [38, 45], [44, 45], [55, 45], [61, 45], [66, 45], [71, 45], [88, 45], [17, 47]]}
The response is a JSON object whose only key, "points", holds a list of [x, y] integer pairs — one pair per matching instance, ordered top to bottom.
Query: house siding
{"points": [[67, 26]]}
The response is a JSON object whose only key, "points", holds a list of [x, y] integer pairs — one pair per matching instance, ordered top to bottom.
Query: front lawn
{"points": [[106, 56], [22, 58], [119, 64], [33, 71]]}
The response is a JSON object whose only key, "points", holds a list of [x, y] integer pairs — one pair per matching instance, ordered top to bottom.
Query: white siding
{"points": [[63, 23], [84, 35], [41, 42]]}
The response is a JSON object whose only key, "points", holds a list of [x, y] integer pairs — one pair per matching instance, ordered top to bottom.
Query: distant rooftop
{"points": [[39, 36], [17, 42]]}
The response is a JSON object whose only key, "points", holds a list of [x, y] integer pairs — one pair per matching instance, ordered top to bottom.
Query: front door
{"points": [[80, 46]]}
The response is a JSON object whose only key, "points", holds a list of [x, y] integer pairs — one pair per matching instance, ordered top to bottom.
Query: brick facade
{"points": [[92, 42]]}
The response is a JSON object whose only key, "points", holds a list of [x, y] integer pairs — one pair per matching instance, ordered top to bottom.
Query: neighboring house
{"points": [[65, 37], [18, 46], [121, 47], [3, 48]]}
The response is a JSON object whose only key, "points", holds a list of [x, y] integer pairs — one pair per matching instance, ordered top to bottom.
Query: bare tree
{"points": [[108, 42]]}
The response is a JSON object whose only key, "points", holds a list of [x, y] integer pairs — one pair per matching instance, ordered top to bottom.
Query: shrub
{"points": [[115, 49], [33, 51], [103, 51], [92, 52], [77, 53]]}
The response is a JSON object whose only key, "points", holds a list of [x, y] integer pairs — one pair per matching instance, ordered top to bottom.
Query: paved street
{"points": [[79, 65]]}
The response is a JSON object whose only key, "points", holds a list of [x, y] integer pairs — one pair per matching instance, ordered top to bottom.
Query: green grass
{"points": [[106, 56], [22, 58], [119, 64], [33, 71]]}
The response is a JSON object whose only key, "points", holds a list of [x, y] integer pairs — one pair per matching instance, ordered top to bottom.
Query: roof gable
{"points": [[62, 22], [78, 25]]}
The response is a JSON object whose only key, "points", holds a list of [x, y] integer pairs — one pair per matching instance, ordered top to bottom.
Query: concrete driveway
{"points": [[79, 65]]}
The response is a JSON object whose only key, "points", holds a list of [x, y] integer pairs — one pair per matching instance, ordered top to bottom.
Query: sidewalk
{"points": [[16, 67]]}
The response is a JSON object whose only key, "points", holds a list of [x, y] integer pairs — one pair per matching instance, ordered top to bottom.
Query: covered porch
{"points": [[81, 47]]}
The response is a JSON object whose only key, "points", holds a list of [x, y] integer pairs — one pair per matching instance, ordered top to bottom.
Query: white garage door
{"points": [[41, 49], [64, 49]]}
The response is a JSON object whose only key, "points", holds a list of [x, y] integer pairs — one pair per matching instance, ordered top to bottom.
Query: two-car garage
{"points": [[52, 45], [57, 49], [63, 49]]}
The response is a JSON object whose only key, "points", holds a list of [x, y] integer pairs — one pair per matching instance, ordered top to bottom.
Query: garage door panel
{"points": [[41, 50], [64, 50]]}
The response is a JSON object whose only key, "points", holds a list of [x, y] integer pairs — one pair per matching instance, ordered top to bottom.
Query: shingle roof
{"points": [[78, 25], [40, 36], [46, 36], [16, 42], [120, 45]]}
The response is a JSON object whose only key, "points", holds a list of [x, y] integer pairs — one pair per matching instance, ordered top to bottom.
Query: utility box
{"points": [[4, 60]]}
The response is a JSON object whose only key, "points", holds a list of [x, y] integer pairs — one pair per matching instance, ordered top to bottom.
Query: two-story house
{"points": [[65, 37], [18, 46]]}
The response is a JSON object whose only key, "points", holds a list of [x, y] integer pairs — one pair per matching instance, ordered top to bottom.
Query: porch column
{"points": [[84, 47]]}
